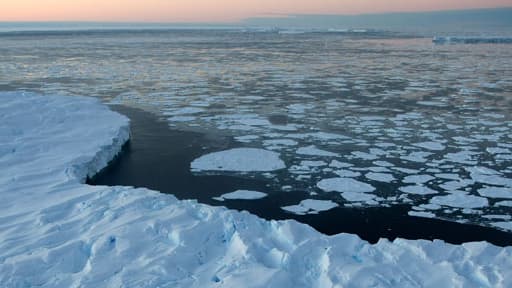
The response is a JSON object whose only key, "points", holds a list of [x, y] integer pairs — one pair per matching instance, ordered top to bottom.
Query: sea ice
{"points": [[435, 146], [313, 151], [239, 160], [381, 177], [417, 179], [344, 185], [417, 189], [496, 192], [243, 195], [357, 197], [460, 200], [311, 206], [422, 214]]}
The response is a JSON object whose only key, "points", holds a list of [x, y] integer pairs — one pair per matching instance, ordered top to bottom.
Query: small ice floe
{"points": [[432, 103], [183, 111], [181, 119], [324, 136], [247, 138], [280, 142], [434, 146], [497, 150], [314, 151], [364, 155], [419, 157], [462, 157], [239, 160], [313, 163], [338, 164], [383, 164], [406, 170], [347, 173], [448, 176], [488, 176], [381, 177], [417, 179], [344, 185], [455, 185], [417, 189], [496, 192], [242, 195], [359, 197], [460, 200], [504, 204], [310, 206], [422, 214], [497, 217], [503, 225]]}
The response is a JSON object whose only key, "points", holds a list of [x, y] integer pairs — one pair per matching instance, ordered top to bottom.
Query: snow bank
{"points": [[57, 232]]}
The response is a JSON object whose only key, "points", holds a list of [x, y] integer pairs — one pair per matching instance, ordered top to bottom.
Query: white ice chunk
{"points": [[431, 145], [314, 151], [239, 160], [338, 164], [347, 173], [381, 177], [417, 179], [344, 185], [417, 189], [496, 192], [243, 195], [357, 197], [460, 200], [504, 204], [311, 206], [422, 214]]}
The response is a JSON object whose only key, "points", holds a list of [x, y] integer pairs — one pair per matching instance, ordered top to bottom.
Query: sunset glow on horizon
{"points": [[214, 11]]}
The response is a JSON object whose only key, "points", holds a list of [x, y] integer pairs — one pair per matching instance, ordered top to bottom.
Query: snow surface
{"points": [[239, 160], [56, 231]]}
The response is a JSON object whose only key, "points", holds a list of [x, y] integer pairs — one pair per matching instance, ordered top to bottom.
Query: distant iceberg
{"points": [[471, 40]]}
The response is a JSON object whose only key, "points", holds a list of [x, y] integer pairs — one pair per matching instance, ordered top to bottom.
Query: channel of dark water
{"points": [[159, 158]]}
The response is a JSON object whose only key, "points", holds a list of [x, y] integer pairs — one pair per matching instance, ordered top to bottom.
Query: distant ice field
{"points": [[408, 122]]}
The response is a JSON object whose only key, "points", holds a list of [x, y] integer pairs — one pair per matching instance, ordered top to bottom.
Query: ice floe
{"points": [[435, 146], [314, 151], [239, 160], [381, 177], [344, 185], [418, 190], [496, 192], [242, 195], [460, 200], [311, 206]]}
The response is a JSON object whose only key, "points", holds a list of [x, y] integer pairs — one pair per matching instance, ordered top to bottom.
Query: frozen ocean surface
{"points": [[412, 119], [58, 232]]}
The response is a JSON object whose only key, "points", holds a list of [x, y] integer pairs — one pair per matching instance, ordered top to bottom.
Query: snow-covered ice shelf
{"points": [[56, 231]]}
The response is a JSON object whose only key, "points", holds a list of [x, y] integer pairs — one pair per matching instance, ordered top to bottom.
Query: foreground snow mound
{"points": [[239, 160], [57, 232]]}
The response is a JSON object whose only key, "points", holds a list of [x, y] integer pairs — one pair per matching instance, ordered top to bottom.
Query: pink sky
{"points": [[213, 10]]}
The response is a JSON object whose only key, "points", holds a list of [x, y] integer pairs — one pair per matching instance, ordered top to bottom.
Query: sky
{"points": [[214, 10]]}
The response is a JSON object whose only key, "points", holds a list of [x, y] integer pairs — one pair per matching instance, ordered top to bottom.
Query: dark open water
{"points": [[159, 158]]}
